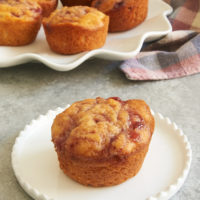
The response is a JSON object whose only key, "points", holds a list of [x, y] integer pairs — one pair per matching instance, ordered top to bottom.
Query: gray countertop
{"points": [[28, 90]]}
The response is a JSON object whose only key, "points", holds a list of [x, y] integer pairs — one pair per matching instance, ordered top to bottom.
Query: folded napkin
{"points": [[177, 54]]}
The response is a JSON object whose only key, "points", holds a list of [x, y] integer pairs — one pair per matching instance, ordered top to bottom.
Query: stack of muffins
{"points": [[81, 25]]}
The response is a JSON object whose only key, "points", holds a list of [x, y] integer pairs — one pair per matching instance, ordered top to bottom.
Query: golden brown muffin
{"points": [[76, 2], [48, 6], [124, 14], [19, 22], [76, 29], [103, 142]]}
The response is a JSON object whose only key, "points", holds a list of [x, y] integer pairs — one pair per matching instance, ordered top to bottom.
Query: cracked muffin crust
{"points": [[124, 14], [19, 22], [76, 29], [102, 142]]}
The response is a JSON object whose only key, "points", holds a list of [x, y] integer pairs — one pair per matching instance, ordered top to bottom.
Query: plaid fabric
{"points": [[186, 15], [177, 54]]}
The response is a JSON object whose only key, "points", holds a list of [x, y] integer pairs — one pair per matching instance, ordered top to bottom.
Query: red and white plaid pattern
{"points": [[186, 15], [176, 55]]}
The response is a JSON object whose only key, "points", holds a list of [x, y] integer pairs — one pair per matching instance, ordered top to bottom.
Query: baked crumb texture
{"points": [[76, 2], [48, 6], [124, 14], [19, 22], [76, 29], [103, 142]]}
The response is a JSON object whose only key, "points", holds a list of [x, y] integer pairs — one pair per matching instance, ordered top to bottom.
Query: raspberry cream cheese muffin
{"points": [[76, 2], [48, 6], [124, 14], [19, 22], [76, 29], [103, 142]]}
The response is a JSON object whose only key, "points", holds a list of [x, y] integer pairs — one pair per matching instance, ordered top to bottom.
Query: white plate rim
{"points": [[100, 53], [165, 194]]}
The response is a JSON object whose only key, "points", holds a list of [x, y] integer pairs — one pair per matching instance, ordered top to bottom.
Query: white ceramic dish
{"points": [[119, 46], [164, 170]]}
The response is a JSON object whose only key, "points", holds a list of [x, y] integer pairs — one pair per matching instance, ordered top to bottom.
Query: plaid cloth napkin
{"points": [[177, 54]]}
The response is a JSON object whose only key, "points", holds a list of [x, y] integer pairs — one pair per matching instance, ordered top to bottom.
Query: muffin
{"points": [[76, 2], [48, 6], [124, 14], [19, 22], [76, 29], [103, 142]]}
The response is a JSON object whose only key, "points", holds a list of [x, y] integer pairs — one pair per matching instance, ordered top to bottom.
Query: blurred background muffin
{"points": [[48, 6], [124, 14]]}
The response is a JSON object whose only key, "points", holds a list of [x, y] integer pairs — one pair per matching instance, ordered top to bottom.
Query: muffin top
{"points": [[19, 10], [82, 16], [102, 128]]}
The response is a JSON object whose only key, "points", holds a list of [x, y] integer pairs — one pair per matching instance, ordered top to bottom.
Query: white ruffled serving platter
{"points": [[118, 46], [164, 170]]}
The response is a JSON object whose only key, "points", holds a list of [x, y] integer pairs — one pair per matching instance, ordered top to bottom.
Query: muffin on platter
{"points": [[48, 6], [124, 14], [20, 22], [76, 29], [103, 142]]}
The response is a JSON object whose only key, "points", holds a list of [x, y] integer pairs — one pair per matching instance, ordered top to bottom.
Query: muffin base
{"points": [[127, 16], [18, 33], [68, 39], [103, 173]]}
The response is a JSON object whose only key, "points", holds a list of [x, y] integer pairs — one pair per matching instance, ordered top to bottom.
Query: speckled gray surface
{"points": [[29, 90]]}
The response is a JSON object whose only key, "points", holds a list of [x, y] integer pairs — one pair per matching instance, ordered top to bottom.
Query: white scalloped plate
{"points": [[118, 46], [164, 170]]}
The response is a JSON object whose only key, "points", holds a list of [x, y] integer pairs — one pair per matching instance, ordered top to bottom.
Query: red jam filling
{"points": [[116, 98], [135, 122], [134, 136]]}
